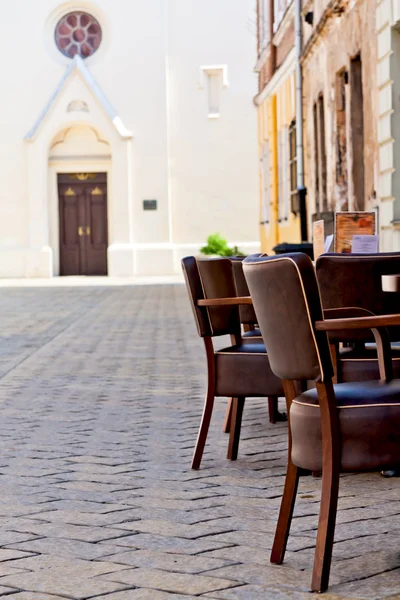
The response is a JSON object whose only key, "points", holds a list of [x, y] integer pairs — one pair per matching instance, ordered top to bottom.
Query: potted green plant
{"points": [[218, 246]]}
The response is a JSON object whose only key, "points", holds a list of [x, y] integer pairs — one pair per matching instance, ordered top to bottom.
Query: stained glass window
{"points": [[78, 33]]}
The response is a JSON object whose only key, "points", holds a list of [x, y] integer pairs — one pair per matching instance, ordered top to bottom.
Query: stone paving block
{"points": [[165, 503], [88, 506], [88, 519], [248, 526], [174, 529], [73, 532], [14, 537], [259, 540], [174, 545], [66, 548], [6, 555], [260, 556], [178, 563], [67, 566], [366, 566], [12, 568], [265, 575], [170, 582], [378, 587], [77, 588], [6, 591], [258, 592], [143, 594], [34, 596]]}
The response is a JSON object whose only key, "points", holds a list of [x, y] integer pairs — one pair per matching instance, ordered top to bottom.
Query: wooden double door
{"points": [[83, 223]]}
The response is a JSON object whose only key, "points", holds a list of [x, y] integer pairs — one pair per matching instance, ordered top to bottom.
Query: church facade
{"points": [[128, 134]]}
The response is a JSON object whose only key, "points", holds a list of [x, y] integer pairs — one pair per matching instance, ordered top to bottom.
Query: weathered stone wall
{"points": [[330, 45]]}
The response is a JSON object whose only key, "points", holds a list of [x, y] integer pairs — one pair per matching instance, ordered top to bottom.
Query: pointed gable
{"points": [[78, 67]]}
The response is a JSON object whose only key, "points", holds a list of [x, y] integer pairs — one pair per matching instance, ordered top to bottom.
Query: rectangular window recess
{"points": [[214, 78], [149, 204]]}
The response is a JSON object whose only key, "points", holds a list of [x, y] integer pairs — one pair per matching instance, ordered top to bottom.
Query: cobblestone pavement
{"points": [[101, 391]]}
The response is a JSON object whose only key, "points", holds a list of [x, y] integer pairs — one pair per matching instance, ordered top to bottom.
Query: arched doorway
{"points": [[92, 138], [79, 161]]}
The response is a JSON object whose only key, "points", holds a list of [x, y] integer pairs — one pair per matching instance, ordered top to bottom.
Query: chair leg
{"points": [[272, 409], [274, 414], [228, 417], [236, 423], [203, 431], [330, 486], [285, 514], [326, 529]]}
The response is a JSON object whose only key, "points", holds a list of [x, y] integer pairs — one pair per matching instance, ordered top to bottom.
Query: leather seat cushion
{"points": [[250, 335], [362, 364], [244, 370], [369, 416]]}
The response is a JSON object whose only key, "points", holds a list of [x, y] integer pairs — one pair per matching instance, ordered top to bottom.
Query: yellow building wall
{"points": [[275, 114]]}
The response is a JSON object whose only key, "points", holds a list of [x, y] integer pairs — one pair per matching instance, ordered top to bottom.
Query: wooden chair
{"points": [[353, 283], [247, 314], [251, 333], [238, 371], [332, 428]]}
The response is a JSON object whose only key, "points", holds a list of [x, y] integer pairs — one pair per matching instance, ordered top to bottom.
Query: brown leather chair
{"points": [[355, 280], [247, 314], [238, 371], [333, 428]]}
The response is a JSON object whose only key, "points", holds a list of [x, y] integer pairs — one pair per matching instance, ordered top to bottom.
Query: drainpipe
{"points": [[301, 189]]}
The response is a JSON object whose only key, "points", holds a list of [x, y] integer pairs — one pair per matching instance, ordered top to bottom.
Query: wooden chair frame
{"points": [[234, 413], [331, 458]]}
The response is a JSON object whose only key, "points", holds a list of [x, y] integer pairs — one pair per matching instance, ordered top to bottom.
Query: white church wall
{"points": [[214, 157], [202, 171]]}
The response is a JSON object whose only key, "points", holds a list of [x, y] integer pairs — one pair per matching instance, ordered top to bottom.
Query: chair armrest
{"points": [[225, 301], [346, 312], [358, 323], [378, 325]]}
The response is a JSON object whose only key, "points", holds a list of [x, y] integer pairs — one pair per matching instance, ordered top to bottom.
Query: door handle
{"points": [[87, 230], [80, 231]]}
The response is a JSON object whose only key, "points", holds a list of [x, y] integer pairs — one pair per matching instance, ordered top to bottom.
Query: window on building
{"points": [[264, 19], [78, 33], [357, 132], [341, 140], [322, 153], [316, 158], [293, 167], [283, 174], [265, 183], [321, 204]]}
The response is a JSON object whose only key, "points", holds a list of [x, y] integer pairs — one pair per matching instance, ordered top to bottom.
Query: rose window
{"points": [[78, 33]]}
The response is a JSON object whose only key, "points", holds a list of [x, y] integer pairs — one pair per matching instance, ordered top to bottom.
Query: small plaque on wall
{"points": [[149, 204]]}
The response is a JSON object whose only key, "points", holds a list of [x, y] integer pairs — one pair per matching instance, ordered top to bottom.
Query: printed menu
{"points": [[349, 224], [318, 238]]}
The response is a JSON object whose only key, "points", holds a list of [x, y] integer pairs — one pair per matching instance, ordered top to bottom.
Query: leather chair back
{"points": [[212, 278], [355, 280], [195, 290], [287, 304], [246, 312]]}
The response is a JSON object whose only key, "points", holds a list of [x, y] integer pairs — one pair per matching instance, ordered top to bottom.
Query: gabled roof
{"points": [[77, 64]]}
